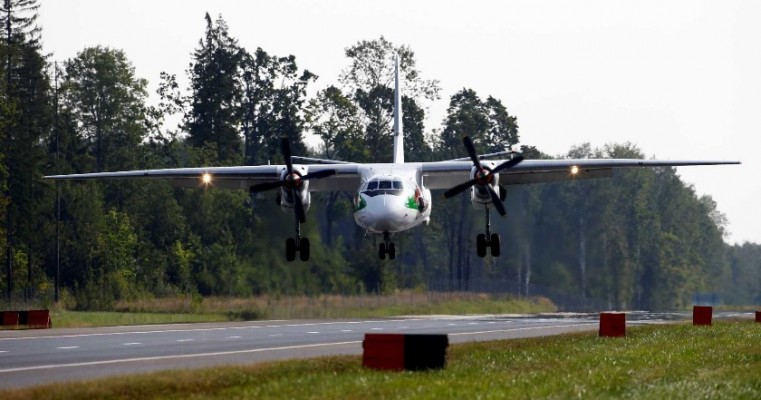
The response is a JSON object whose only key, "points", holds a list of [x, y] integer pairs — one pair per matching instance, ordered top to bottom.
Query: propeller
{"points": [[483, 177], [293, 180]]}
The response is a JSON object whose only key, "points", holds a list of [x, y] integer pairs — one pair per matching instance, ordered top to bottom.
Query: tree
{"points": [[369, 78], [274, 94], [108, 102], [214, 116], [25, 122]]}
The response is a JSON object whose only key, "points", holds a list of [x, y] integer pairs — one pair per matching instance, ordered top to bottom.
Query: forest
{"points": [[642, 239]]}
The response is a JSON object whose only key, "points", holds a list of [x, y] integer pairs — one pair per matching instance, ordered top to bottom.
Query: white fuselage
{"points": [[391, 198]]}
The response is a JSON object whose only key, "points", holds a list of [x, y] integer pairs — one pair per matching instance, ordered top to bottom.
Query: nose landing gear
{"points": [[387, 247]]}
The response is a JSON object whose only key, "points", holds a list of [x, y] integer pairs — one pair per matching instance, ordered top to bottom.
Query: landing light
{"points": [[574, 170], [206, 178]]}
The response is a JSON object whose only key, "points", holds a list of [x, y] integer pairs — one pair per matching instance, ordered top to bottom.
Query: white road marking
{"points": [[451, 324], [205, 329], [376, 329], [346, 330], [313, 332], [276, 335], [233, 337], [185, 340], [131, 344], [67, 347], [3, 351], [178, 356]]}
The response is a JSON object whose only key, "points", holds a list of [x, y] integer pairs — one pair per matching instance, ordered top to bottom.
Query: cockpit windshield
{"points": [[384, 186]]}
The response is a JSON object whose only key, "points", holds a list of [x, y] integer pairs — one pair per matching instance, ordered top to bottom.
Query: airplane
{"points": [[391, 197]]}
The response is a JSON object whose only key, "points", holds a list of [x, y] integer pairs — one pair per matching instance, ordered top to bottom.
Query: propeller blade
{"points": [[285, 148], [471, 151], [508, 164], [319, 174], [263, 187], [459, 188], [496, 200], [299, 206]]}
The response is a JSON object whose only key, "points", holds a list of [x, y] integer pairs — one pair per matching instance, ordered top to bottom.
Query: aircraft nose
{"points": [[389, 216]]}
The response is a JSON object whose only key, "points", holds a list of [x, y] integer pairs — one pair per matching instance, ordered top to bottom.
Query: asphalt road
{"points": [[34, 357]]}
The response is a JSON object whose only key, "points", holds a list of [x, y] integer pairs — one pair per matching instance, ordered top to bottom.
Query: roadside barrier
{"points": [[701, 315], [9, 318], [36, 319], [39, 319], [612, 324], [389, 351]]}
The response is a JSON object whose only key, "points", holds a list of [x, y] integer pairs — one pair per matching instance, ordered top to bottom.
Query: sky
{"points": [[680, 79]]}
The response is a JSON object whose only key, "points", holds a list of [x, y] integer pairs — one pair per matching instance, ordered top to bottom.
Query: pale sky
{"points": [[680, 79]]}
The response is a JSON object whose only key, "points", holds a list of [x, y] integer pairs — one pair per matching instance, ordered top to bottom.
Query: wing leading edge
{"points": [[446, 174], [436, 175], [243, 177]]}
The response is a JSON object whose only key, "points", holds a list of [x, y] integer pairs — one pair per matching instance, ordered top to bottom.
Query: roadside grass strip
{"points": [[168, 311], [652, 362]]}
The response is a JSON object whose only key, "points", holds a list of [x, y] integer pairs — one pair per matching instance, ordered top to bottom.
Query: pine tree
{"points": [[214, 117], [26, 121]]}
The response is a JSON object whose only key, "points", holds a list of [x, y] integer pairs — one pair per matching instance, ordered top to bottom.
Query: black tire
{"points": [[481, 245], [290, 249], [304, 249], [496, 250], [382, 251], [391, 251]]}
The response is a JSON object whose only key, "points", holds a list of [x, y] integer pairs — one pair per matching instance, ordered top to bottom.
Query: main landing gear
{"points": [[490, 240], [297, 245], [387, 248]]}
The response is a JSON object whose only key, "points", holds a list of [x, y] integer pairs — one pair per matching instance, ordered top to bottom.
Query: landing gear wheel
{"points": [[481, 245], [494, 245], [290, 249], [304, 249], [382, 251], [391, 251]]}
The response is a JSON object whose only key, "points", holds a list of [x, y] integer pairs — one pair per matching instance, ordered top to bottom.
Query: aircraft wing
{"points": [[446, 174], [346, 178]]}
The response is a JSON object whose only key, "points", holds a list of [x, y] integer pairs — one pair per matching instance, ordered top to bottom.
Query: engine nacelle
{"points": [[285, 194], [479, 194]]}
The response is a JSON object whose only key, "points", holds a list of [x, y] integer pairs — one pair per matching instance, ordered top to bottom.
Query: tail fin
{"points": [[398, 134]]}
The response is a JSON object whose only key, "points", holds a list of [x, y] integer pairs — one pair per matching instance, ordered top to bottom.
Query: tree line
{"points": [[642, 239]]}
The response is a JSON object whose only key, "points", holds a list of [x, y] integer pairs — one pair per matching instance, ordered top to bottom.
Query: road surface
{"points": [[33, 357]]}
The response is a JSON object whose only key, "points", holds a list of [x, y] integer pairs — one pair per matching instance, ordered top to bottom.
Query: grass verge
{"points": [[216, 309], [79, 319], [652, 362]]}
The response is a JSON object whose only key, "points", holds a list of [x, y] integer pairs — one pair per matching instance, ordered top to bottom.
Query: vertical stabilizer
{"points": [[398, 134]]}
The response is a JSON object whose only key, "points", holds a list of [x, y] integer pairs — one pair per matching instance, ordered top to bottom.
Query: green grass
{"points": [[216, 309], [78, 319], [654, 362]]}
